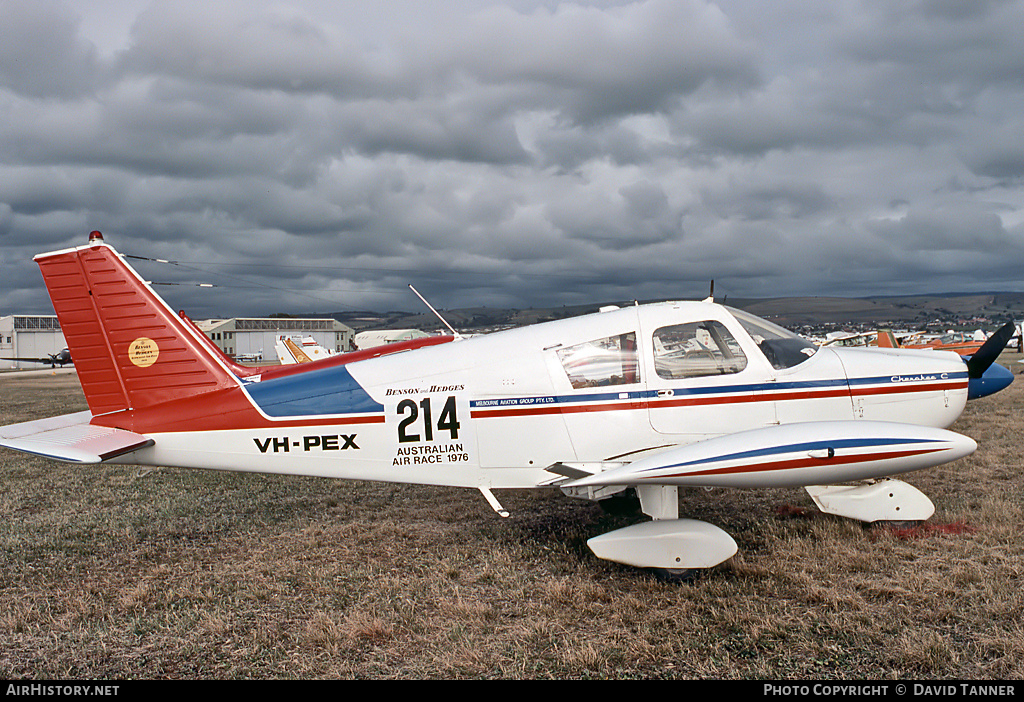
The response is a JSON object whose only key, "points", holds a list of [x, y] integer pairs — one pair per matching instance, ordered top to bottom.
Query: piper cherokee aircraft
{"points": [[650, 397]]}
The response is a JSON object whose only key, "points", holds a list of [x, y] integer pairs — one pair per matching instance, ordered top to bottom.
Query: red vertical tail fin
{"points": [[887, 340], [130, 350]]}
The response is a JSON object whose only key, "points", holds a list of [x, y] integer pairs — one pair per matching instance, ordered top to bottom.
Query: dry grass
{"points": [[108, 573]]}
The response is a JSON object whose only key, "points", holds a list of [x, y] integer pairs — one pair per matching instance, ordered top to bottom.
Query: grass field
{"points": [[110, 572]]}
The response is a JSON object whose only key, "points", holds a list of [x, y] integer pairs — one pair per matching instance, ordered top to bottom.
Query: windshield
{"points": [[781, 347]]}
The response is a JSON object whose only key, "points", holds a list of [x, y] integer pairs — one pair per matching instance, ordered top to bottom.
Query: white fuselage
{"points": [[497, 410]]}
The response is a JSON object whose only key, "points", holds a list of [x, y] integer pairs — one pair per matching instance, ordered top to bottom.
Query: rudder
{"points": [[130, 350]]}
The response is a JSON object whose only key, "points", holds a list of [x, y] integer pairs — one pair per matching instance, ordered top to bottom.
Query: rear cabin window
{"points": [[696, 349], [602, 362]]}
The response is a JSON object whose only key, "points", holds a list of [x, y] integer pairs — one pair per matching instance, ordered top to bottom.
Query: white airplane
{"points": [[305, 350], [649, 397]]}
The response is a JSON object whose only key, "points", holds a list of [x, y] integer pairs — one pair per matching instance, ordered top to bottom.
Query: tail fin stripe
{"points": [[72, 301], [97, 319]]}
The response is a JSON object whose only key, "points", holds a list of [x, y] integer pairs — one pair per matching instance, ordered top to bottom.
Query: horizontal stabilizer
{"points": [[71, 438]]}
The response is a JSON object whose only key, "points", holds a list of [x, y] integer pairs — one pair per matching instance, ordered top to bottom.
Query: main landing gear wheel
{"points": [[625, 502], [908, 524], [669, 548], [676, 575]]}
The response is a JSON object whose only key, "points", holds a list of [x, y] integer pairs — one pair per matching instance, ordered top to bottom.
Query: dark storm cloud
{"points": [[276, 52], [41, 54], [597, 63], [317, 155]]}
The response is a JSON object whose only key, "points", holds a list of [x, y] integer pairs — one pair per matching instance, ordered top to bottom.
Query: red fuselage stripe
{"points": [[801, 463]]}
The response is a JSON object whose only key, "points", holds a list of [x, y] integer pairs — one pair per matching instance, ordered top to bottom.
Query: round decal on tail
{"points": [[143, 352]]}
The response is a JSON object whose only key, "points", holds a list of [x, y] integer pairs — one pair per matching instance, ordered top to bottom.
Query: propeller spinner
{"points": [[985, 376]]}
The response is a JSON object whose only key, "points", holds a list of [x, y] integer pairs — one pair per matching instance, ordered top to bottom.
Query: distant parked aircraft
{"points": [[370, 339], [964, 343], [304, 350], [61, 358]]}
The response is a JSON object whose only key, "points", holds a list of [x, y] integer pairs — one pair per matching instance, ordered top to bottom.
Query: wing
{"points": [[791, 455], [815, 455]]}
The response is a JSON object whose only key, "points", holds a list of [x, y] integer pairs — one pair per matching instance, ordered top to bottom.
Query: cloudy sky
{"points": [[321, 156]]}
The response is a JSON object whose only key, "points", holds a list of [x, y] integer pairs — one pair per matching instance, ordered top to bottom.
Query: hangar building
{"points": [[29, 336], [39, 336], [254, 339]]}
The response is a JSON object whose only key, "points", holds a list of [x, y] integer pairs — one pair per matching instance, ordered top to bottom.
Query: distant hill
{"points": [[919, 310], [916, 311]]}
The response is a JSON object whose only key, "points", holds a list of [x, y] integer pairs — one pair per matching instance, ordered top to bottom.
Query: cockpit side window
{"points": [[781, 347], [695, 349], [609, 361]]}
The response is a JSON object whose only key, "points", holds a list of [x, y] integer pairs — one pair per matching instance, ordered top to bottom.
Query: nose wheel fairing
{"points": [[882, 501]]}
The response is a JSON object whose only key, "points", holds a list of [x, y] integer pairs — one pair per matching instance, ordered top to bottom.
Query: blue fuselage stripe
{"points": [[745, 389], [325, 391]]}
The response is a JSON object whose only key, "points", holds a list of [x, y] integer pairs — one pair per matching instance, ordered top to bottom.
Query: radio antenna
{"points": [[711, 295], [443, 320]]}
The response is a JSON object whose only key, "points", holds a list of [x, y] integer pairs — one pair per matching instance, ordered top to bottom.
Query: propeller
{"points": [[989, 351]]}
